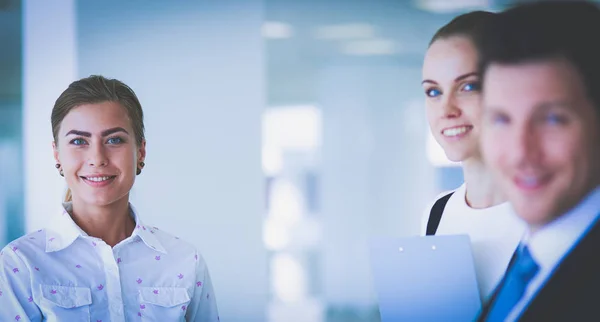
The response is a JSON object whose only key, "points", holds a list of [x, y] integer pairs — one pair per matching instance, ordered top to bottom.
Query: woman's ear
{"points": [[55, 150], [142, 151]]}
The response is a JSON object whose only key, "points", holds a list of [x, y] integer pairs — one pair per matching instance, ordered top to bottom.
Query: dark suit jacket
{"points": [[572, 291]]}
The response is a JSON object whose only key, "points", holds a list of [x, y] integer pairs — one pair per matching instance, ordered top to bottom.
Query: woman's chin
{"points": [[461, 155], [456, 157], [100, 200]]}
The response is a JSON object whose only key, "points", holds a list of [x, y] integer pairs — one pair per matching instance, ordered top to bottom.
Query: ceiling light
{"points": [[445, 6], [276, 30], [345, 31], [370, 47]]}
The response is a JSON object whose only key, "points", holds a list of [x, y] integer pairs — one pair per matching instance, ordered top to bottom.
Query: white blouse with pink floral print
{"points": [[62, 274]]}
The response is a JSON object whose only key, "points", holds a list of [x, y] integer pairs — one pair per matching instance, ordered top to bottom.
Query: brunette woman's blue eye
{"points": [[470, 87], [433, 92]]}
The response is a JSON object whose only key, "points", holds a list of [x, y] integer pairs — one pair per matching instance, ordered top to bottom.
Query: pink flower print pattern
{"points": [[51, 239], [94, 244], [14, 249], [196, 256], [157, 258], [119, 260], [78, 266], [37, 269], [15, 270], [180, 276], [139, 281], [198, 284], [100, 287], [53, 292], [155, 292], [0, 293], [30, 299], [142, 306], [183, 308], [139, 314], [18, 318]]}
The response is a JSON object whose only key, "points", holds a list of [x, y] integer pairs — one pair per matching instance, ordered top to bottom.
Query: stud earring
{"points": [[139, 170], [61, 172]]}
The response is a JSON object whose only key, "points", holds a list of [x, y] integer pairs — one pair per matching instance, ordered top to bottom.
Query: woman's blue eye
{"points": [[469, 87], [432, 92], [114, 141], [78, 142]]}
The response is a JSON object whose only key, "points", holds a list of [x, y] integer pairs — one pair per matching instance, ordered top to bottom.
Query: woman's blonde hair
{"points": [[93, 90]]}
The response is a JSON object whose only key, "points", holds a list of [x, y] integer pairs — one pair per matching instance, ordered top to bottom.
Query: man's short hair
{"points": [[546, 30]]}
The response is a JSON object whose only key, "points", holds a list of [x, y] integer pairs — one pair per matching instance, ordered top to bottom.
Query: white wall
{"points": [[49, 65], [197, 67], [376, 177]]}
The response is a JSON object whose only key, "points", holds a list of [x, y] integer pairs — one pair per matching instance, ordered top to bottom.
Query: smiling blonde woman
{"points": [[99, 261]]}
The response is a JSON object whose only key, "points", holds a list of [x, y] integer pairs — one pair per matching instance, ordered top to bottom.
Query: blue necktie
{"points": [[519, 275]]}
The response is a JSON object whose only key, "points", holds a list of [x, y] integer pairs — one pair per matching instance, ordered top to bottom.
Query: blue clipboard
{"points": [[429, 278]]}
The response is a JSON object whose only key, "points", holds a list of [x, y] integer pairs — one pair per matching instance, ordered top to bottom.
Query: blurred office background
{"points": [[281, 134]]}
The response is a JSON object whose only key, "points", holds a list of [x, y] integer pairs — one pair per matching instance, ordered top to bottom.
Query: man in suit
{"points": [[540, 66]]}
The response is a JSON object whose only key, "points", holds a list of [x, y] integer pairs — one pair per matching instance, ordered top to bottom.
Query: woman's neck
{"points": [[481, 190], [111, 223]]}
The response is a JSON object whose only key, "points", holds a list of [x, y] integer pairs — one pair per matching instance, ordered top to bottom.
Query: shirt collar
{"points": [[63, 231], [146, 233], [553, 241]]}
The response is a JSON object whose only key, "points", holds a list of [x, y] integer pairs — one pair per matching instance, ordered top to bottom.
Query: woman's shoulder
{"points": [[443, 194], [429, 207], [173, 243], [26, 245]]}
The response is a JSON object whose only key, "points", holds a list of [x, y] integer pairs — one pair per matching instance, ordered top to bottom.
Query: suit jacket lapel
{"points": [[573, 283]]}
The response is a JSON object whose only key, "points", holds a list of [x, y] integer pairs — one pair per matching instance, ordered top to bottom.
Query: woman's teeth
{"points": [[456, 131], [97, 179]]}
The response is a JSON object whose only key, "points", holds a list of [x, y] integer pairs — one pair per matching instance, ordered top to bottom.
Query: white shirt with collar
{"points": [[549, 245], [63, 274]]}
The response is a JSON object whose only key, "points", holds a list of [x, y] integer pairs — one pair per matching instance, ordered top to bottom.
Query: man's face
{"points": [[540, 137]]}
